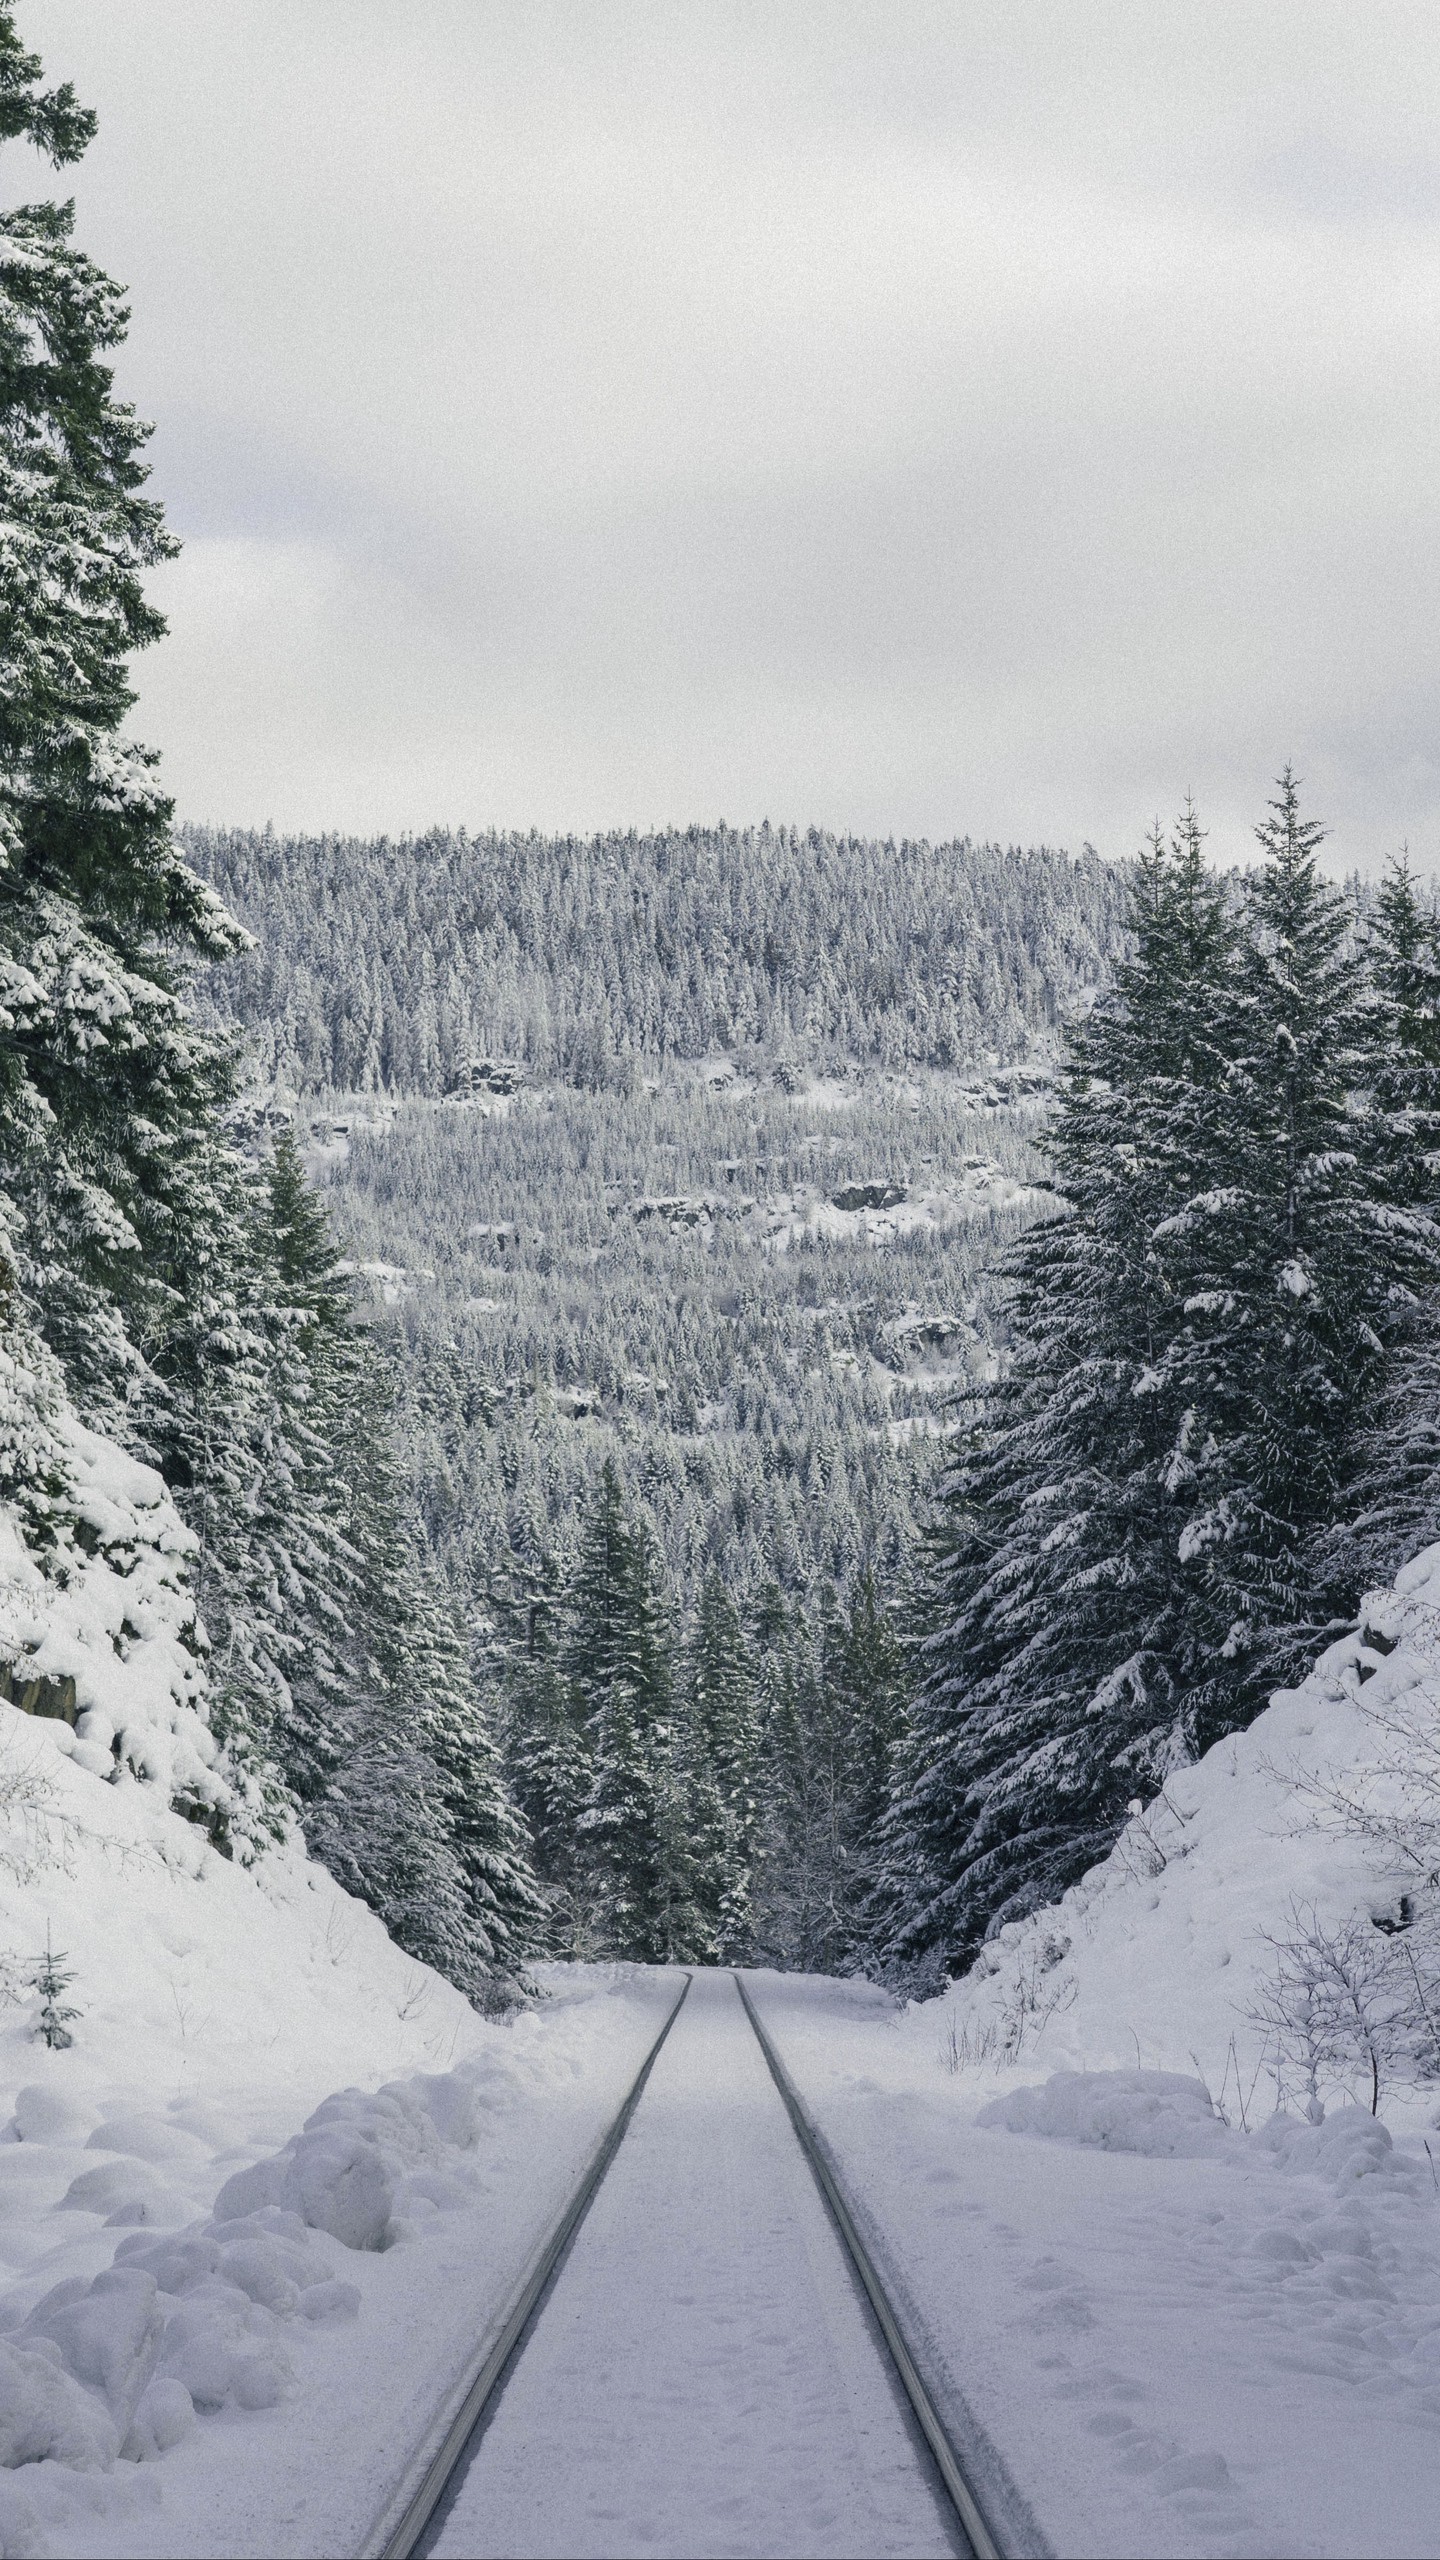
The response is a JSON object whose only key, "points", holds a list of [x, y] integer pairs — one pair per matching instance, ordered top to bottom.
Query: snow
{"points": [[919, 1209], [251, 2216], [255, 2219], [1172, 2313], [1161, 2334], [703, 2379]]}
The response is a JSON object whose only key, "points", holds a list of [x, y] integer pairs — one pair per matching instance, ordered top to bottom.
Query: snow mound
{"points": [[1158, 2113], [1345, 2148], [364, 2160]]}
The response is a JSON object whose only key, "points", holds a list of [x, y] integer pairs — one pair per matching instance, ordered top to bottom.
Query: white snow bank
{"points": [[98, 1627], [1163, 2116], [364, 2159], [176, 2251]]}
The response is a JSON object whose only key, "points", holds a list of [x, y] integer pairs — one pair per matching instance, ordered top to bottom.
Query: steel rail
{"points": [[399, 2528], [977, 2530]]}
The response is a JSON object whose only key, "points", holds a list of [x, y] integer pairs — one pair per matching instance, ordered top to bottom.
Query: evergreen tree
{"points": [[1402, 954], [107, 1086], [1293, 1261], [1393, 1508], [1122, 1572], [1050, 1657], [867, 1668], [619, 1679], [835, 1702], [376, 1725], [546, 1743], [547, 1760], [724, 1817], [51, 1979]]}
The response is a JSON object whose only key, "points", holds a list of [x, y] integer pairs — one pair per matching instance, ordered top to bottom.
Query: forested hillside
{"points": [[396, 966], [673, 1167], [757, 1305], [862, 1476]]}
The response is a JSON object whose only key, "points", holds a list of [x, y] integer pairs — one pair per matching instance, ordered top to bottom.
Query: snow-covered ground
{"points": [[257, 2212], [255, 2216], [171, 2237], [1181, 2316], [1170, 2337], [703, 2379]]}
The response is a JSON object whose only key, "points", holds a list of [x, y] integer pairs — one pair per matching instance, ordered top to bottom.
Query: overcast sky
{"points": [[906, 417]]}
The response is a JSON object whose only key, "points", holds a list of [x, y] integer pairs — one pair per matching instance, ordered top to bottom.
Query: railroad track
{"points": [[415, 2508]]}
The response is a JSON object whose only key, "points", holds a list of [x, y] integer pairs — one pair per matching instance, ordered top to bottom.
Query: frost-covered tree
{"points": [[107, 1084], [1393, 1507], [1124, 1566], [1051, 1623], [620, 1679], [834, 1703], [374, 1719], [723, 1741], [546, 1744]]}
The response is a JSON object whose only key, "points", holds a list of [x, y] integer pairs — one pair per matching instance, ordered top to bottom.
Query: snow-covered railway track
{"points": [[701, 2376], [400, 2530], [978, 2536]]}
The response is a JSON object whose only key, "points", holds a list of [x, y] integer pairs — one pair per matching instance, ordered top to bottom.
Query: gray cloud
{"points": [[913, 417]]}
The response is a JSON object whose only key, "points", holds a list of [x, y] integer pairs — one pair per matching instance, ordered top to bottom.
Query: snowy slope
{"points": [[1160, 1957], [253, 2216]]}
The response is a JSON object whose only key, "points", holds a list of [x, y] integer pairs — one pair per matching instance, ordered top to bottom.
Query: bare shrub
{"points": [[26, 1792], [1339, 2007]]}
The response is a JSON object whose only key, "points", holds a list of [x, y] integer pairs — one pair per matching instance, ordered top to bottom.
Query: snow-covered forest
{"points": [[401, 966], [688, 1173], [735, 1392], [961, 1443]]}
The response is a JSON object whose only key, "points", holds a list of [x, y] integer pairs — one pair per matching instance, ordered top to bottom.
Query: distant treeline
{"points": [[397, 964]]}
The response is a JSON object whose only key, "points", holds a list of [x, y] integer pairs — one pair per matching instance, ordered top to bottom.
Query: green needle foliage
{"points": [[187, 1291], [1125, 1567]]}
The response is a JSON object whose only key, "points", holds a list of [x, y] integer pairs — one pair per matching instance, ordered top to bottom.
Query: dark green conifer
{"points": [[618, 1674]]}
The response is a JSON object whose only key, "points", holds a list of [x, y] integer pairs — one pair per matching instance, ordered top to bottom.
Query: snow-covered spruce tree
{"points": [[105, 1079], [1299, 1265], [1393, 1507], [1120, 1574], [1049, 1618], [836, 1699], [373, 1718], [722, 1736], [544, 1740], [547, 1765], [631, 1833]]}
